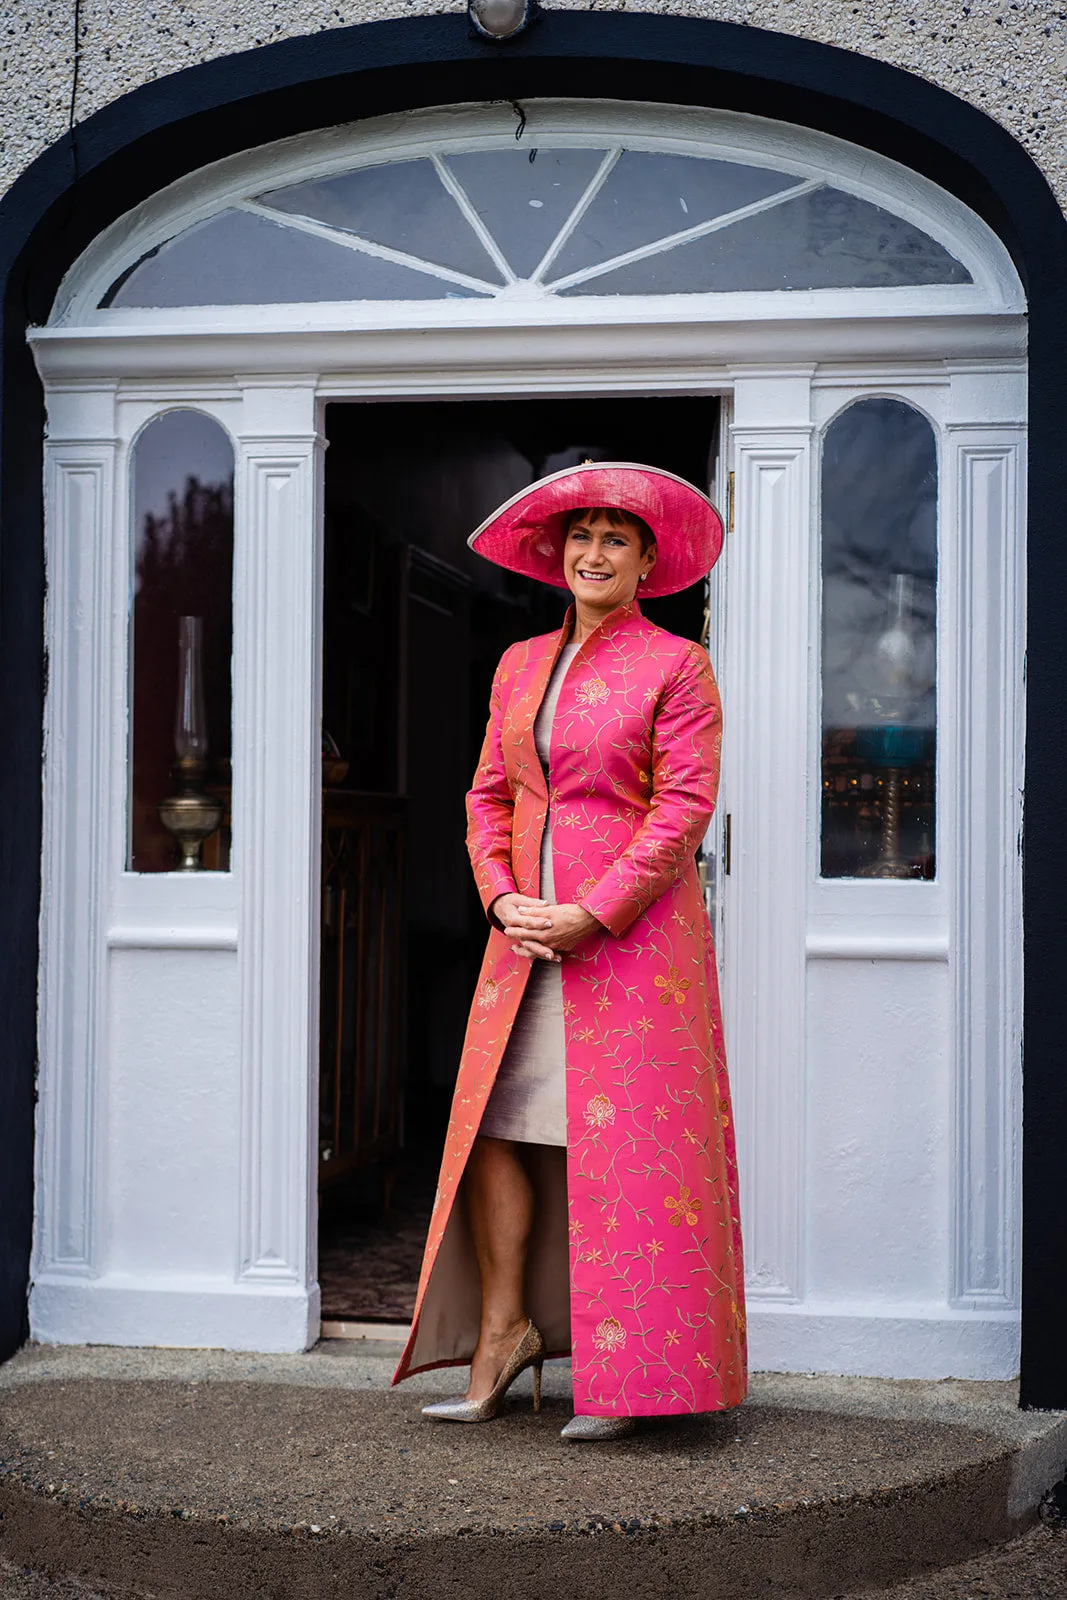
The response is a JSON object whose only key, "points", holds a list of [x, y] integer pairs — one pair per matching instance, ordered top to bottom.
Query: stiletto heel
{"points": [[529, 1352]]}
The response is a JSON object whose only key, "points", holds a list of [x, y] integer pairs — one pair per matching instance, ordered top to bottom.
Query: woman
{"points": [[591, 1126]]}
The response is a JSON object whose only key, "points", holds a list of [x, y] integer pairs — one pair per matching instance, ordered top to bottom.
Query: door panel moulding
{"points": [[986, 464], [277, 591], [767, 753], [73, 987]]}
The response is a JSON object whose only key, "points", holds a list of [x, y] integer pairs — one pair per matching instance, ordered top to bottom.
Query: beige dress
{"points": [[529, 1099]]}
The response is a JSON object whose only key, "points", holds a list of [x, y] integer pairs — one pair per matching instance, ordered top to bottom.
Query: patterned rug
{"points": [[369, 1264]]}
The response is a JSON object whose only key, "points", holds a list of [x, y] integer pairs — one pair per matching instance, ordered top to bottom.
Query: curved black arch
{"points": [[153, 135]]}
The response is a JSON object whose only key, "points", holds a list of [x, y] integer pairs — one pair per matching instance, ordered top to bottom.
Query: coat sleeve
{"points": [[686, 744], [491, 807]]}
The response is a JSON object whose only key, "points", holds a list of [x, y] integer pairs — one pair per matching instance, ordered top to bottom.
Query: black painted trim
{"points": [[155, 134]]}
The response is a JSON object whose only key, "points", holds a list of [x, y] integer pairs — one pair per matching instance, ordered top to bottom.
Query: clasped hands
{"points": [[541, 931]]}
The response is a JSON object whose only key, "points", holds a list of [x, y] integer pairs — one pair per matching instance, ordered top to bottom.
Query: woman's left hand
{"points": [[568, 926]]}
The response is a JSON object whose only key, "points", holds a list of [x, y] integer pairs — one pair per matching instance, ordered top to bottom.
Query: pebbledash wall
{"points": [[1007, 59], [66, 63]]}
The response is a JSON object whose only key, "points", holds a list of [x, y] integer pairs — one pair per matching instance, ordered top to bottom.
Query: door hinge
{"points": [[730, 502], [726, 846]]}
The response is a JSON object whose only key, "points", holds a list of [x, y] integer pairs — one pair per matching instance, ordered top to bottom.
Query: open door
{"points": [[415, 624]]}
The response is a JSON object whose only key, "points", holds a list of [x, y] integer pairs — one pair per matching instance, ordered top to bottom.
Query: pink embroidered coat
{"points": [[647, 1291]]}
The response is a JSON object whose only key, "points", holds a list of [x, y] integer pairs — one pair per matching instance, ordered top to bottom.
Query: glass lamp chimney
{"points": [[190, 721]]}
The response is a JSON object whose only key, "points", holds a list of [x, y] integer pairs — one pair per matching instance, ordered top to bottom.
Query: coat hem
{"points": [[458, 1361]]}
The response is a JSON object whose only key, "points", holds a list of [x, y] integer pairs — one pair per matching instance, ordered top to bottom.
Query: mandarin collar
{"points": [[615, 620]]}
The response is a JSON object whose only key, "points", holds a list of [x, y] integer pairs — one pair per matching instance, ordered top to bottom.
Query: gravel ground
{"points": [[274, 1457], [273, 1463], [1031, 1568]]}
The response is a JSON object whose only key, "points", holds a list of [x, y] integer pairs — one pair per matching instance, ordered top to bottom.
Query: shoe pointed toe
{"points": [[456, 1410], [595, 1430]]}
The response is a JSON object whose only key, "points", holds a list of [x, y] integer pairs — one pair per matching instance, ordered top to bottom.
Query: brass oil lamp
{"points": [[191, 815]]}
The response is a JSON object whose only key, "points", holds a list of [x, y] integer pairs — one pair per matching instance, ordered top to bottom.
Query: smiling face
{"points": [[605, 553]]}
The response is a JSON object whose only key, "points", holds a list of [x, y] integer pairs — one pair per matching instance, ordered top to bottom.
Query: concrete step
{"points": [[199, 1475]]}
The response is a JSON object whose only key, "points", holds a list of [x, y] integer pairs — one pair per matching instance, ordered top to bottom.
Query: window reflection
{"points": [[879, 588], [181, 634]]}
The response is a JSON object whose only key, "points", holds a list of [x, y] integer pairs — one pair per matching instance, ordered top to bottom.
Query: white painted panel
{"points": [[80, 552], [989, 759], [764, 791], [277, 825], [173, 1114], [879, 1131], [876, 1339]]}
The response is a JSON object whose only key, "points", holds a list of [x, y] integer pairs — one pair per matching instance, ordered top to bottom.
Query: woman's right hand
{"points": [[522, 918]]}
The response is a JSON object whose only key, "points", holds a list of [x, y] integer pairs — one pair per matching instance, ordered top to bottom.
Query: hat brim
{"points": [[525, 534]]}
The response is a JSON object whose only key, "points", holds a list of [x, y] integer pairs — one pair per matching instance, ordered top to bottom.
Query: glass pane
{"points": [[648, 195], [524, 202], [404, 205], [824, 239], [237, 258], [879, 582], [181, 641]]}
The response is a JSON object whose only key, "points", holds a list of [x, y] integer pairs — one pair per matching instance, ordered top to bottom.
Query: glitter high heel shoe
{"points": [[529, 1352], [592, 1430]]}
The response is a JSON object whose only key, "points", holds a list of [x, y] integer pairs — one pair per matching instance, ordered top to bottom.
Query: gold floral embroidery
{"points": [[593, 692], [621, 764], [672, 985], [487, 994], [599, 1112], [684, 1207], [742, 1321], [610, 1334]]}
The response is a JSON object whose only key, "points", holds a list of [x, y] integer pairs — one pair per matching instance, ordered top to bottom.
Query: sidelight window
{"points": [[879, 612], [181, 636]]}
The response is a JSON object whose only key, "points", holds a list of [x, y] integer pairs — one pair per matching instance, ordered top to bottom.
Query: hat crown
{"points": [[525, 534]]}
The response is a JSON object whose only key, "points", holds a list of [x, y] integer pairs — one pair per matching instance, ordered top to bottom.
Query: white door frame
{"points": [[109, 1261]]}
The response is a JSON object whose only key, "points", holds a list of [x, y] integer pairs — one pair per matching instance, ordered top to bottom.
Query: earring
{"points": [[644, 575]]}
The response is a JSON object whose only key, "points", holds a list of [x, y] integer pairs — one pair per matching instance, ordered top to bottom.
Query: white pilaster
{"points": [[986, 467], [81, 549], [765, 794], [276, 827]]}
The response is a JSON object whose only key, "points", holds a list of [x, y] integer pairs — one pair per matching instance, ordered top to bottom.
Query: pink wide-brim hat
{"points": [[525, 534]]}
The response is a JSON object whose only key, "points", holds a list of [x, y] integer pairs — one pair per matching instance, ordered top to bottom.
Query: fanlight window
{"points": [[517, 222]]}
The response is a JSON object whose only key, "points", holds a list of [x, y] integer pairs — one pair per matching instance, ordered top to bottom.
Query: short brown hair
{"points": [[615, 515]]}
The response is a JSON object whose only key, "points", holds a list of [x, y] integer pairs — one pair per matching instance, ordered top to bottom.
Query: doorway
{"points": [[414, 624]]}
